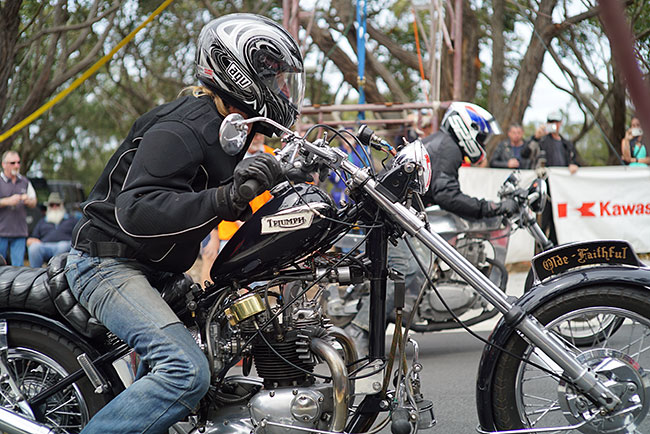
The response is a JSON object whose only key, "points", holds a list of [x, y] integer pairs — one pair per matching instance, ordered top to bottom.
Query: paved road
{"points": [[450, 361]]}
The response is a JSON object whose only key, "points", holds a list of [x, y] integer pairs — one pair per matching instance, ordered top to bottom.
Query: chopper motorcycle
{"points": [[59, 366]]}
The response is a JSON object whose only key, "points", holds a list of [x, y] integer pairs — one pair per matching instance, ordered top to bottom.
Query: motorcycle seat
{"points": [[46, 291], [66, 304]]}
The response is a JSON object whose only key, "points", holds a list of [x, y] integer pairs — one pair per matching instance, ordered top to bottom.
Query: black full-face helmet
{"points": [[253, 64]]}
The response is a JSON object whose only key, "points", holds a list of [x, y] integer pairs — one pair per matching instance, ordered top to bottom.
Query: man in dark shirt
{"points": [[548, 148], [508, 152], [16, 195], [52, 234]]}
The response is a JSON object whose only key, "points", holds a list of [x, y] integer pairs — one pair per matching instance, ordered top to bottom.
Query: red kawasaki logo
{"points": [[605, 209]]}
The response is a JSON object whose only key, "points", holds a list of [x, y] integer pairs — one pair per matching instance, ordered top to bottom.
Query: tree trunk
{"points": [[9, 25], [471, 64], [531, 65], [497, 75], [617, 108]]}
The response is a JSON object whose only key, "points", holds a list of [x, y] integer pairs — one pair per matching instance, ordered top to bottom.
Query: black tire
{"points": [[529, 281], [38, 357], [522, 393]]}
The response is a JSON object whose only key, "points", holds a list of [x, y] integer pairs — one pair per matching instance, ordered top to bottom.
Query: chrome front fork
{"points": [[549, 343]]}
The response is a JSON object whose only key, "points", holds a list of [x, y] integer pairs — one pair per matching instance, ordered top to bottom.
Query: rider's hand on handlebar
{"points": [[259, 172], [304, 173], [251, 177], [507, 207]]}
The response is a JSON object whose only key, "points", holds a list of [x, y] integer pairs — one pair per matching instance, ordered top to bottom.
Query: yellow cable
{"points": [[29, 119]]}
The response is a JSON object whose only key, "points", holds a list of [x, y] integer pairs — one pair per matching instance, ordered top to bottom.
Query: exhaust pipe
{"points": [[339, 382], [14, 423]]}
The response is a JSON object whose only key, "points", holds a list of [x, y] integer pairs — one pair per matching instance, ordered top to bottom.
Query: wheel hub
{"points": [[624, 377]]}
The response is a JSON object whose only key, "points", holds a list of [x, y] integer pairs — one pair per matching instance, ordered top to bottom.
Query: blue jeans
{"points": [[16, 248], [39, 253], [117, 293]]}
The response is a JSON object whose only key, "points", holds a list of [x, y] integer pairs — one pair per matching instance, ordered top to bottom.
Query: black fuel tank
{"points": [[280, 232]]}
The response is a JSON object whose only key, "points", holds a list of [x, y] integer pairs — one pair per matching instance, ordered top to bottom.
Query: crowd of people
{"points": [[52, 233]]}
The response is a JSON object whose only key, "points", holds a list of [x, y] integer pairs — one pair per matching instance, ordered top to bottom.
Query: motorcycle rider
{"points": [[464, 129], [165, 188]]}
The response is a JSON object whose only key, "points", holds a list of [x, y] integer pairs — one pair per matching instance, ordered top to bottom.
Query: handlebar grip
{"points": [[365, 135], [248, 189]]}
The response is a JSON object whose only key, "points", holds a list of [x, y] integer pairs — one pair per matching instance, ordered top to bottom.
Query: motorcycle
{"points": [[483, 242], [59, 366]]}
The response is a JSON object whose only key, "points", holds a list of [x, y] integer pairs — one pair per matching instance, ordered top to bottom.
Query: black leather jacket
{"points": [[503, 153], [562, 156], [446, 158], [157, 194]]}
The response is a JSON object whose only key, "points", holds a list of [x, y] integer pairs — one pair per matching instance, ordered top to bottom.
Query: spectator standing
{"points": [[633, 147], [548, 148], [508, 152], [16, 194], [52, 233]]}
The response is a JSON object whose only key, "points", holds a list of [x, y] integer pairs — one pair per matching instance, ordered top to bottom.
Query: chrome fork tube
{"points": [[549, 343]]}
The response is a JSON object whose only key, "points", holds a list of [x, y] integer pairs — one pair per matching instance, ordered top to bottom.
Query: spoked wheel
{"points": [[587, 329], [37, 359], [528, 397]]}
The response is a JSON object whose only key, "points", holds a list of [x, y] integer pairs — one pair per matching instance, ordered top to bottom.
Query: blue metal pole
{"points": [[361, 53]]}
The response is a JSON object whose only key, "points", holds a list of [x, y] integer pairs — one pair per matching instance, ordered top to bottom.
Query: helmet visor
{"points": [[286, 81]]}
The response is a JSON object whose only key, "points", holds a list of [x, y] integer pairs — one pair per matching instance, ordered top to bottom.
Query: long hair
{"points": [[199, 91]]}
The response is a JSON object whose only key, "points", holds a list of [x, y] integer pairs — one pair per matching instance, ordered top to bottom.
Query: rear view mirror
{"points": [[232, 134]]}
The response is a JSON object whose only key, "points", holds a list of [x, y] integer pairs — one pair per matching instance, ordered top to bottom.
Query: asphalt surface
{"points": [[450, 360]]}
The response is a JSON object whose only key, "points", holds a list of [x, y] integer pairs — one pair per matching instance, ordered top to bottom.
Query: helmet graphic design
{"points": [[253, 64], [471, 126]]}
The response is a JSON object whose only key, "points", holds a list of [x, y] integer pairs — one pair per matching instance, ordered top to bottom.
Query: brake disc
{"points": [[624, 377]]}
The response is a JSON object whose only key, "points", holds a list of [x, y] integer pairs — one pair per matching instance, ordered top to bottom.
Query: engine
{"points": [[457, 294], [284, 348]]}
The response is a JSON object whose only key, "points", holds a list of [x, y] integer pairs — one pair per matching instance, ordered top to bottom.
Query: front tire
{"points": [[38, 358], [527, 397]]}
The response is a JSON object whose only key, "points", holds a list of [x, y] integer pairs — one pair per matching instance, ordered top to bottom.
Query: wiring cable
{"points": [[470, 331]]}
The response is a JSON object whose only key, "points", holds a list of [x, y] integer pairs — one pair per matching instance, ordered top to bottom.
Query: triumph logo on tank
{"points": [[238, 76], [605, 209], [288, 221]]}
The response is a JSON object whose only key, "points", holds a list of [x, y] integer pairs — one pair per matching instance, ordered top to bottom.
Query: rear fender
{"points": [[621, 275], [53, 325]]}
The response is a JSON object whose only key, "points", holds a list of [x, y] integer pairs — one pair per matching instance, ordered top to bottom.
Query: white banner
{"points": [[602, 203]]}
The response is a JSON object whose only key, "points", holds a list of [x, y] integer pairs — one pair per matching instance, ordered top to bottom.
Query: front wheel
{"points": [[38, 358], [527, 397]]}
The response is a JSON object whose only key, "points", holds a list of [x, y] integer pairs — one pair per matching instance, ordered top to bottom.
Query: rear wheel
{"points": [[38, 358], [527, 397]]}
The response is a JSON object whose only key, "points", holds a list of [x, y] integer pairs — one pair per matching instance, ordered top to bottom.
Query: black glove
{"points": [[263, 169], [304, 173], [507, 207], [227, 208]]}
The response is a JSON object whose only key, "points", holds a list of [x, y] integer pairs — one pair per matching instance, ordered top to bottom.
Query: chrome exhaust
{"points": [[339, 382], [14, 423]]}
